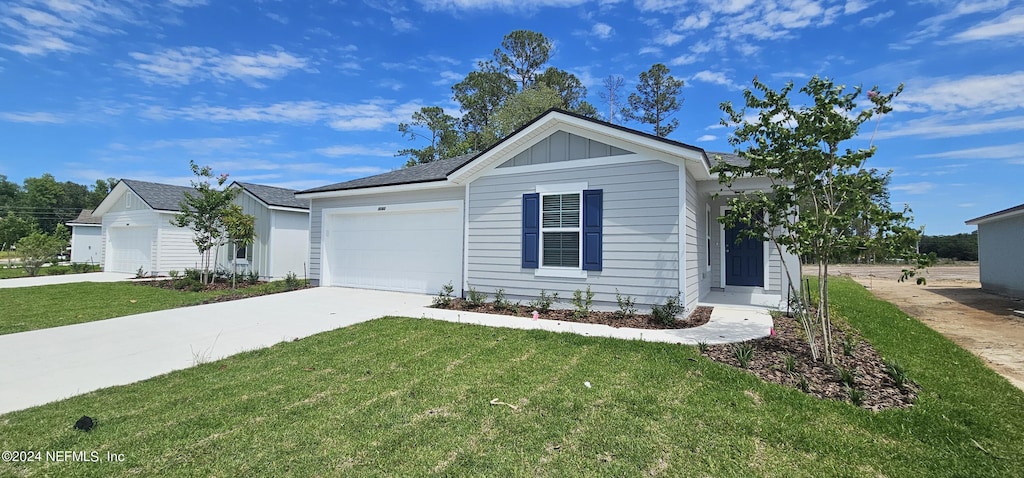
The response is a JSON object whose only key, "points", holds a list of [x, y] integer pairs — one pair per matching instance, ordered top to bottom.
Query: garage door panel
{"points": [[129, 248], [415, 251]]}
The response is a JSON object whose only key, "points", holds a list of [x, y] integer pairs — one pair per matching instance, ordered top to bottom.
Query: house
{"points": [[564, 203], [282, 232], [137, 233], [86, 238], [1000, 239]]}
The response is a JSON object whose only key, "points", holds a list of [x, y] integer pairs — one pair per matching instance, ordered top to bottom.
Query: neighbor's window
{"points": [[560, 230], [707, 231]]}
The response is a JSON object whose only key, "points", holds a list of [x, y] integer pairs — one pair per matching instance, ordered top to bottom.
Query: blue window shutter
{"points": [[531, 230], [592, 242]]}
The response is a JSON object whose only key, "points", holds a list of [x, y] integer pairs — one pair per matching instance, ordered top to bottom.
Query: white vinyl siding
{"points": [[640, 233]]}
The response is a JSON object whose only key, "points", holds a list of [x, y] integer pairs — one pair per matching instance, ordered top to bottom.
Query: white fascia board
{"points": [[439, 184], [288, 209], [999, 217], [82, 224]]}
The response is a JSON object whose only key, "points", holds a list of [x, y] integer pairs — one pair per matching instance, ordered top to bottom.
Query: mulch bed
{"points": [[240, 288], [697, 318], [879, 390]]}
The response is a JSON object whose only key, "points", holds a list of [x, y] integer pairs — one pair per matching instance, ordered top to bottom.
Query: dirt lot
{"points": [[954, 304]]}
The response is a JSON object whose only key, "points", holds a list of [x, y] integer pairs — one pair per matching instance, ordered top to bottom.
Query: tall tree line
{"points": [[513, 87], [41, 203]]}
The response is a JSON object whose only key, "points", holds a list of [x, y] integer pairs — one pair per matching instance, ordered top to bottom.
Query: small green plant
{"points": [[81, 267], [141, 273], [174, 274], [193, 274], [252, 277], [291, 281], [196, 286], [445, 297], [475, 298], [543, 301], [500, 302], [627, 305], [582, 306], [666, 313], [848, 345], [702, 347], [744, 353], [790, 363], [897, 372], [847, 376], [804, 385], [856, 395]]}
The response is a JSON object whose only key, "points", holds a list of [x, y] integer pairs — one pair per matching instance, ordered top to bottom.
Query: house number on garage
{"points": [[381, 208]]}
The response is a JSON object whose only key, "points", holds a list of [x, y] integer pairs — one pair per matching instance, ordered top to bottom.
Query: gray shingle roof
{"points": [[728, 158], [421, 173], [275, 196], [162, 197], [1015, 209], [86, 217]]}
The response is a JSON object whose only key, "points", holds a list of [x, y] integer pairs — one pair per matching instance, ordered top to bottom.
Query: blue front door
{"points": [[744, 260]]}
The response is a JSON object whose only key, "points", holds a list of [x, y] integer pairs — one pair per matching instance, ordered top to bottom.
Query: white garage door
{"points": [[404, 247], [129, 248]]}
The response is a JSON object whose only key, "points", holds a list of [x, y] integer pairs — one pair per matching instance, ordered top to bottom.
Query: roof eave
{"points": [[387, 188], [997, 216]]}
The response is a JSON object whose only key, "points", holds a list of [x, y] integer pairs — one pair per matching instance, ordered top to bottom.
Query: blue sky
{"points": [[302, 94]]}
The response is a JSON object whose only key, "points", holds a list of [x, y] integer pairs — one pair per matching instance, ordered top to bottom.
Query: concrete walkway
{"points": [[64, 279], [42, 366]]}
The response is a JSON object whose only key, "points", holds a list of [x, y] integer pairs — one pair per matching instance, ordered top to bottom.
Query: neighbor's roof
{"points": [[731, 159], [420, 173], [275, 196], [162, 197], [1013, 211], [85, 218]]}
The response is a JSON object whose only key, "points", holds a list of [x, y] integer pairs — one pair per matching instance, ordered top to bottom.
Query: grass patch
{"points": [[19, 272], [31, 308], [409, 397]]}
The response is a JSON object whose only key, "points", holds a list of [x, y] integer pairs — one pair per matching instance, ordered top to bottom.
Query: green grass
{"points": [[18, 272], [30, 308], [410, 397]]}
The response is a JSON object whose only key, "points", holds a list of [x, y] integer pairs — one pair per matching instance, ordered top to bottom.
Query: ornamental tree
{"points": [[819, 186], [204, 213]]}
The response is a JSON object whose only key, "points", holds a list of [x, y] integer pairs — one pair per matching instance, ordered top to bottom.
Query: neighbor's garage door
{"points": [[129, 248], [411, 248]]}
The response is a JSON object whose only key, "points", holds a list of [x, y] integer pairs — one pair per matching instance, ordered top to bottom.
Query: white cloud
{"points": [[505, 5], [855, 6], [876, 19], [696, 21], [402, 25], [935, 26], [1008, 26], [602, 30], [668, 38], [649, 50], [683, 60], [187, 65], [716, 78], [979, 93], [368, 115], [34, 117], [942, 127], [707, 137], [354, 150], [1006, 151], [913, 188]]}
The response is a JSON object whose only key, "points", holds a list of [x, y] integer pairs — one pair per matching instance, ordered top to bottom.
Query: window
{"points": [[560, 230]]}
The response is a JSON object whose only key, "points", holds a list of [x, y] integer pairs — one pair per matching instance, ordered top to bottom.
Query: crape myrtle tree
{"points": [[819, 187], [208, 213], [240, 229]]}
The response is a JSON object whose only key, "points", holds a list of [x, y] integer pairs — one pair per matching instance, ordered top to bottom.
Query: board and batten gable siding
{"points": [[318, 205], [640, 233], [260, 246], [1000, 259]]}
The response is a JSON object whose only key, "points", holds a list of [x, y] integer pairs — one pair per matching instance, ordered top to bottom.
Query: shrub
{"points": [[38, 248], [82, 267], [56, 271], [173, 273], [139, 274], [194, 274], [252, 277], [291, 281], [196, 286], [444, 298], [475, 298], [500, 302], [543, 302], [580, 304], [627, 305], [666, 314], [848, 345], [702, 347], [744, 353], [790, 363], [897, 373], [846, 376], [804, 385], [856, 395]]}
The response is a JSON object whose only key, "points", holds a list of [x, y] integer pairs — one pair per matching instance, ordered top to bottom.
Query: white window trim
{"points": [[707, 233], [550, 271]]}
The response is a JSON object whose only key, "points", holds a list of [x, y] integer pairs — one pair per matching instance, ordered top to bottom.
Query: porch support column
{"points": [[682, 233]]}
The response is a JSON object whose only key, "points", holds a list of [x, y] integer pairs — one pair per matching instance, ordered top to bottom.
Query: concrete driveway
{"points": [[64, 279], [42, 366]]}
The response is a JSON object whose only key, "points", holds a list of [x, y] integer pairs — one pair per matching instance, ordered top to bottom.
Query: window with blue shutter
{"points": [[593, 207], [531, 230]]}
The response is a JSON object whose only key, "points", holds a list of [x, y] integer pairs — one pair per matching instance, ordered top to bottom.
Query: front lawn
{"points": [[18, 271], [30, 308], [413, 397]]}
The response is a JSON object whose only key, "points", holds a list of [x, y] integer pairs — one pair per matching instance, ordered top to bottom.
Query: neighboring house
{"points": [[564, 203], [137, 231], [282, 232], [86, 238], [1000, 240]]}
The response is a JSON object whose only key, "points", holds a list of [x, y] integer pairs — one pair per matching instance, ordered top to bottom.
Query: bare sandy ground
{"points": [[954, 304]]}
